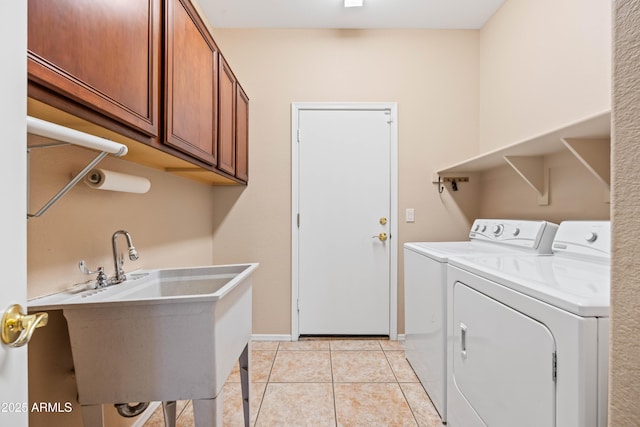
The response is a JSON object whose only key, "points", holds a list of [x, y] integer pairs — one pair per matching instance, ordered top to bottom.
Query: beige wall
{"points": [[543, 64], [432, 75], [170, 225], [625, 284]]}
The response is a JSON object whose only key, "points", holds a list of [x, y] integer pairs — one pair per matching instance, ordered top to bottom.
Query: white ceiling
{"points": [[437, 14]]}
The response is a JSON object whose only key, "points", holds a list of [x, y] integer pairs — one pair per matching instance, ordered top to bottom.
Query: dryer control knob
{"points": [[477, 227], [484, 228], [497, 229], [516, 231], [591, 237]]}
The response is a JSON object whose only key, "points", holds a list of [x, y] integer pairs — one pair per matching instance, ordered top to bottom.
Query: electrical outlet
{"points": [[409, 215]]}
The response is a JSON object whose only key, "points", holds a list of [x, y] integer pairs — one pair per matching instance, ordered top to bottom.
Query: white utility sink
{"points": [[162, 335]]}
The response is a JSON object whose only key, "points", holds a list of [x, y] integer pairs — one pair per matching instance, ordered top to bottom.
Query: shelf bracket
{"points": [[70, 136], [595, 155], [535, 173]]}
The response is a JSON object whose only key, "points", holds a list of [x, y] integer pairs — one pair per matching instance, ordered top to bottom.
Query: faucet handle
{"points": [[82, 266], [101, 280]]}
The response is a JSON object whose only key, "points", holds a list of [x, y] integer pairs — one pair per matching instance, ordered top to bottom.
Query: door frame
{"points": [[392, 107], [13, 177]]}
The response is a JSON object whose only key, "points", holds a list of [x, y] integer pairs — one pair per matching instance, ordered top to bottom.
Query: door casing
{"points": [[296, 107], [13, 187]]}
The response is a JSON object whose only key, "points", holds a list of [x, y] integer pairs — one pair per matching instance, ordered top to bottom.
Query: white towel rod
{"points": [[71, 136], [75, 137]]}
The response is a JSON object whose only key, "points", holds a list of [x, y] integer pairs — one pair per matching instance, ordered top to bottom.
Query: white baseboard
{"points": [[270, 337], [284, 337]]}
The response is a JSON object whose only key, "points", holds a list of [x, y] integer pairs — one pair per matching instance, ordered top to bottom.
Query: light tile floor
{"points": [[324, 383]]}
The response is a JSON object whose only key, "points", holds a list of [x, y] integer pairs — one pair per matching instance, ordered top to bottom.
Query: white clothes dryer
{"points": [[425, 281], [528, 336]]}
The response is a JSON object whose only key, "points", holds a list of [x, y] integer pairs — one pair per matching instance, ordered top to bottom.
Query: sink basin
{"points": [[153, 286], [175, 287], [162, 335]]}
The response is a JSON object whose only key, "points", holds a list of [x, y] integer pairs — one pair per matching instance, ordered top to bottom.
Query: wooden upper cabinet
{"points": [[100, 54], [147, 70], [191, 74], [226, 123], [242, 134]]}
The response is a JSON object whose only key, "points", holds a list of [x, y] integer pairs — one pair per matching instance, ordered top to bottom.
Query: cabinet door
{"points": [[101, 54], [191, 73], [242, 134], [226, 135]]}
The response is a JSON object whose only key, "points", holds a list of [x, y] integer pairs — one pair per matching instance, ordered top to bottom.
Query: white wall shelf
{"points": [[588, 139]]}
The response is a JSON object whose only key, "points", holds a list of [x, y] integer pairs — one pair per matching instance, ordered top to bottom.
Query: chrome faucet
{"points": [[118, 259]]}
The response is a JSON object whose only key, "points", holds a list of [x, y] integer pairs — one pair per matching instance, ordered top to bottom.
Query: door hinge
{"points": [[388, 113], [298, 136], [298, 220], [298, 304], [554, 361]]}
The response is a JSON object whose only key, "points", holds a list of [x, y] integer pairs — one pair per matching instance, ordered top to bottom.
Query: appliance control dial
{"points": [[477, 227], [484, 228], [497, 229], [516, 231], [591, 237]]}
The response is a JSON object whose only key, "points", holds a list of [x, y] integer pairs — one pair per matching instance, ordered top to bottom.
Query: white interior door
{"points": [[344, 204], [13, 289]]}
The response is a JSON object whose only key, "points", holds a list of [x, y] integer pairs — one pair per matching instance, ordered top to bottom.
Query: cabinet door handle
{"points": [[463, 340]]}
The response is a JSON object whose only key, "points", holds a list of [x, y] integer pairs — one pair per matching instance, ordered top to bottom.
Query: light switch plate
{"points": [[409, 215]]}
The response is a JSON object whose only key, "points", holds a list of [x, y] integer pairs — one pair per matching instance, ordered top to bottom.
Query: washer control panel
{"points": [[536, 235], [584, 238]]}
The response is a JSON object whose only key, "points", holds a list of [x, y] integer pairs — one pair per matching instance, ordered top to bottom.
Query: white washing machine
{"points": [[425, 281], [528, 336]]}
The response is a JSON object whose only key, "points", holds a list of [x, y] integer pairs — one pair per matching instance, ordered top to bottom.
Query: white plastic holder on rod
{"points": [[71, 136]]}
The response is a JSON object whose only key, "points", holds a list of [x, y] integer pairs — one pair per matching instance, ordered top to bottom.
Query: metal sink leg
{"points": [[245, 381], [169, 410], [92, 415]]}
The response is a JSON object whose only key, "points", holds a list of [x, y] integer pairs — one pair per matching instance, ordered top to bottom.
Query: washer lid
{"points": [[438, 251], [442, 251], [578, 286]]}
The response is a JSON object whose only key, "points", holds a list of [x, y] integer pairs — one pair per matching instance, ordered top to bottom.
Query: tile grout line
{"points": [[333, 387], [401, 390], [264, 393], [181, 412]]}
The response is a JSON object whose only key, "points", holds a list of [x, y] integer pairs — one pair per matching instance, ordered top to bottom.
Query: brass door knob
{"points": [[383, 220], [382, 236], [17, 328]]}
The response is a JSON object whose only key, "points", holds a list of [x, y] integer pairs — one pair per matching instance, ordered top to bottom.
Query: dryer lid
{"points": [[578, 286]]}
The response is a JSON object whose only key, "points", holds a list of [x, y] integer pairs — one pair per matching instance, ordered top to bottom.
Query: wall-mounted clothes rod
{"points": [[70, 136]]}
